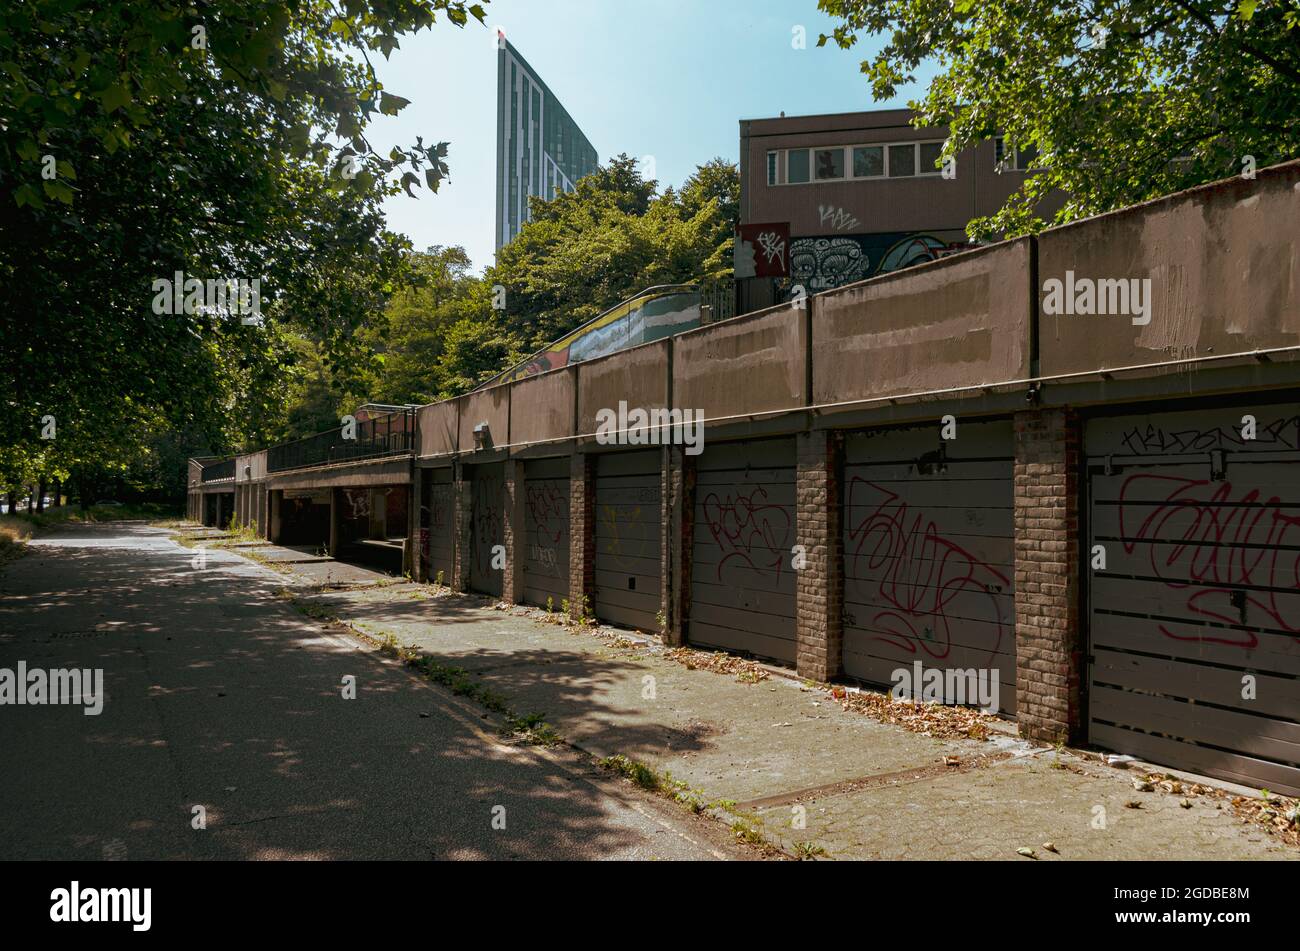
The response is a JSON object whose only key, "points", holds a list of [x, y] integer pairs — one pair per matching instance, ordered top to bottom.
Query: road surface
{"points": [[222, 696]]}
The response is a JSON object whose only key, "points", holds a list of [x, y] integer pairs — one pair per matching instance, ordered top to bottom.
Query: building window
{"points": [[930, 152], [1006, 157], [902, 160], [869, 161], [830, 164], [796, 166], [771, 168]]}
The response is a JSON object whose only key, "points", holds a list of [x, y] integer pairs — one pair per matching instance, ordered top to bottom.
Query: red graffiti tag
{"points": [[749, 529], [1202, 540], [918, 571]]}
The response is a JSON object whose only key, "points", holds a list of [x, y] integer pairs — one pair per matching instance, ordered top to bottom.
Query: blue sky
{"points": [[669, 79]]}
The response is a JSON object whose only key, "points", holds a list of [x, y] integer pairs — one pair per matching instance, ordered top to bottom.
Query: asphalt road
{"points": [[221, 695]]}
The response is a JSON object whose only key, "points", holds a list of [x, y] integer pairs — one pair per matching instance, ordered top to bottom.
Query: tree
{"points": [[1123, 100], [139, 139], [585, 251]]}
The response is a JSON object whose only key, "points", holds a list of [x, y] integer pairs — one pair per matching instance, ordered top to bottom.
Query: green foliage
{"points": [[1124, 100], [207, 140]]}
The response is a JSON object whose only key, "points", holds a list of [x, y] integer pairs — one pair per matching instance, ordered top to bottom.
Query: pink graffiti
{"points": [[750, 530], [1216, 548], [918, 572]]}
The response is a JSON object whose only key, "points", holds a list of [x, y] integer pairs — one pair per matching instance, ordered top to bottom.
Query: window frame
{"points": [[848, 161]]}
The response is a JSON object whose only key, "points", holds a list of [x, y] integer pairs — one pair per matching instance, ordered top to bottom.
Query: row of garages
{"points": [[1192, 620]]}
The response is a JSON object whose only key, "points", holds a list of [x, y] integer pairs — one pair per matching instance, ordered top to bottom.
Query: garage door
{"points": [[439, 523], [487, 527], [628, 527], [546, 530], [929, 553], [742, 579], [1194, 623]]}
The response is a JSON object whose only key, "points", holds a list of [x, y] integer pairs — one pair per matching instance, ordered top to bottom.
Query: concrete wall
{"points": [[1223, 263], [960, 321], [748, 365], [639, 375], [491, 406], [542, 407], [439, 425]]}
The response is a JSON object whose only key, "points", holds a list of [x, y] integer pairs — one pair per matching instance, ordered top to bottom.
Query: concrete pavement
{"points": [[223, 696]]}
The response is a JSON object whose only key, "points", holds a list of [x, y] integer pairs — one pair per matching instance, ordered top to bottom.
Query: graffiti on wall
{"points": [[836, 219], [821, 263], [651, 315], [1279, 434], [548, 519], [486, 523], [623, 528], [750, 532], [1232, 554], [925, 584]]}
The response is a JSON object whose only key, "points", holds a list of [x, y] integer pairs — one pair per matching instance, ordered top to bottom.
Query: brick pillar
{"points": [[678, 515], [462, 528], [582, 530], [515, 535], [819, 586], [1049, 659]]}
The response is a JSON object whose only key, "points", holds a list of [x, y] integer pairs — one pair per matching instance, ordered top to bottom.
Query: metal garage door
{"points": [[439, 523], [487, 528], [628, 528], [546, 531], [929, 553], [742, 579], [1200, 595]]}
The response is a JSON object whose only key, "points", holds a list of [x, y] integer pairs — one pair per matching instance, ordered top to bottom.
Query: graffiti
{"points": [[837, 218], [773, 247], [761, 250], [821, 263], [649, 316], [1280, 434], [358, 502], [440, 507], [548, 517], [486, 521], [750, 530], [613, 541], [1231, 551], [923, 576]]}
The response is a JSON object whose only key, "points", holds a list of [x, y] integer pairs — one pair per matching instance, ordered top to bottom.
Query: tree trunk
{"points": [[40, 495]]}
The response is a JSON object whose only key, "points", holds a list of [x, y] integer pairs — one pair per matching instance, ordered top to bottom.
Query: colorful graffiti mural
{"points": [[651, 315]]}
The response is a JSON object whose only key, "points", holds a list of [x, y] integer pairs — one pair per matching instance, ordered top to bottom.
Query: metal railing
{"points": [[389, 435], [216, 471]]}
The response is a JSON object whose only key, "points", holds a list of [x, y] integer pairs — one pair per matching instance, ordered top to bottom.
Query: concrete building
{"points": [[540, 149], [859, 194], [1069, 461]]}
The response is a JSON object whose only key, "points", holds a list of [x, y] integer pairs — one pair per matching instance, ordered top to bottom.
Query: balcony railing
{"points": [[389, 435], [216, 471]]}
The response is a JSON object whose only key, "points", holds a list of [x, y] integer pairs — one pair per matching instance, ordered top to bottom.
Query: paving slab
{"points": [[885, 792]]}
